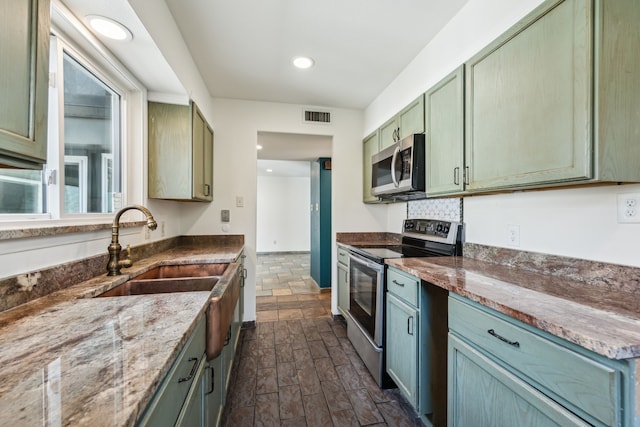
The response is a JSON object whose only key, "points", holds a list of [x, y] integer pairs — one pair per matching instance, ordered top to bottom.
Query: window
{"points": [[83, 171]]}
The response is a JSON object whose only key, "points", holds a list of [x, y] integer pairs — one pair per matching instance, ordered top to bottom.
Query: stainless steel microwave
{"points": [[398, 172]]}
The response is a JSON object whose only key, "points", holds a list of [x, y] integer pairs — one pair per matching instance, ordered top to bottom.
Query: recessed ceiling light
{"points": [[109, 28], [303, 62], [259, 147], [269, 170]]}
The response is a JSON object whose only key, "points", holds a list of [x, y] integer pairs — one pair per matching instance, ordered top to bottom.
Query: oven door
{"points": [[366, 295]]}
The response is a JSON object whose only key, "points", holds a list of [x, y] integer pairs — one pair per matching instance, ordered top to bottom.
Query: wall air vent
{"points": [[315, 116]]}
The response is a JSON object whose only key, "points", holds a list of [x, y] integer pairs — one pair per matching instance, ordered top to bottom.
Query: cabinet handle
{"points": [[456, 175], [466, 175], [207, 190], [398, 283], [410, 325], [501, 338], [228, 339], [193, 370], [213, 377]]}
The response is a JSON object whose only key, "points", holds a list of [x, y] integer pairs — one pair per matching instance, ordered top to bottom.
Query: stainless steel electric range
{"points": [[366, 317]]}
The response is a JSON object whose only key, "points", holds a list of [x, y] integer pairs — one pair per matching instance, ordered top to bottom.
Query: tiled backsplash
{"points": [[444, 209]]}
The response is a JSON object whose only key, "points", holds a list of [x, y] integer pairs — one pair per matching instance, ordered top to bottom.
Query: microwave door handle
{"points": [[393, 166]]}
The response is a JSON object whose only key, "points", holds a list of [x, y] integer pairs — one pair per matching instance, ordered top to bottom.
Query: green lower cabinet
{"points": [[409, 342], [402, 347], [502, 372], [179, 384], [214, 392], [484, 394], [193, 411]]}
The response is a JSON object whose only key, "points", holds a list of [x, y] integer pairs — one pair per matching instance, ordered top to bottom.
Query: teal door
{"points": [[321, 222]]}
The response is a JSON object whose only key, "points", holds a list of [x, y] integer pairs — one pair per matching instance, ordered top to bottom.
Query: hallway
{"points": [[298, 368]]}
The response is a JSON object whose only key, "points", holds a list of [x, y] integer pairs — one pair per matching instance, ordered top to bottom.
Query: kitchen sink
{"points": [[183, 270], [171, 278], [222, 280], [161, 286]]}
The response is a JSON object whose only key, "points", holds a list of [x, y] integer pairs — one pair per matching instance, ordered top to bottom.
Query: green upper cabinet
{"points": [[24, 74], [532, 116], [407, 122], [444, 135], [369, 148], [180, 153]]}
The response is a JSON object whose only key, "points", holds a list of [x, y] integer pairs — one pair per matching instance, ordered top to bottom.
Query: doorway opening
{"points": [[293, 223]]}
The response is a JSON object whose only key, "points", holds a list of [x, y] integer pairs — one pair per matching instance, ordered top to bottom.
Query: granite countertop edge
{"points": [[576, 312], [73, 328]]}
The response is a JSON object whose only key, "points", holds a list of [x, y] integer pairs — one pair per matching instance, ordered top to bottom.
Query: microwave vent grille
{"points": [[311, 116]]}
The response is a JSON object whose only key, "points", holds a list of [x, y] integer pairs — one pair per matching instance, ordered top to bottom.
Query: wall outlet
{"points": [[629, 208], [224, 215], [513, 235]]}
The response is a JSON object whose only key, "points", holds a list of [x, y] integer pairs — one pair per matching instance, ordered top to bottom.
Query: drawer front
{"points": [[343, 256], [403, 286], [589, 385], [168, 400]]}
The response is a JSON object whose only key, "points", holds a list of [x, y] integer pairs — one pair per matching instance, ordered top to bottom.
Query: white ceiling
{"points": [[243, 49]]}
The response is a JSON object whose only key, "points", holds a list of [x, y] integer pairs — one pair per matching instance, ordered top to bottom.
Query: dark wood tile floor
{"points": [[297, 367], [299, 371]]}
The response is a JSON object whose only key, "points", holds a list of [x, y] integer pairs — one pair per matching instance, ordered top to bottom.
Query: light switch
{"points": [[239, 201]]}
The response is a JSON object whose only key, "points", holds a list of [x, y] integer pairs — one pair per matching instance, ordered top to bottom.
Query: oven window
{"points": [[362, 294]]}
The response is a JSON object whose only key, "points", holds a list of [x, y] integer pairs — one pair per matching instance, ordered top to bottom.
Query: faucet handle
{"points": [[126, 262]]}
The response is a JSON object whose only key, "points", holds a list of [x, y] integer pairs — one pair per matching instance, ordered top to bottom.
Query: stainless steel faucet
{"points": [[115, 263]]}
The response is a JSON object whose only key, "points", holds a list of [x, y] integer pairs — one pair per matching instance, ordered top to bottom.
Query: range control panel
{"points": [[430, 227]]}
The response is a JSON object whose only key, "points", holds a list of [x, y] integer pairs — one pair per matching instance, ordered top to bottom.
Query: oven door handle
{"points": [[361, 260]]}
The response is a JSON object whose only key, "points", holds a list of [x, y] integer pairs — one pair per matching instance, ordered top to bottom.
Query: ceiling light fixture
{"points": [[109, 28], [303, 62], [259, 147], [269, 170]]}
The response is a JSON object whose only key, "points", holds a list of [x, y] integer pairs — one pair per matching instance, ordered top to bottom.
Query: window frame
{"points": [[70, 35]]}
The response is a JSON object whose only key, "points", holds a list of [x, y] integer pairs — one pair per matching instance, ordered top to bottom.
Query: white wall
{"points": [[236, 128], [283, 217], [577, 222]]}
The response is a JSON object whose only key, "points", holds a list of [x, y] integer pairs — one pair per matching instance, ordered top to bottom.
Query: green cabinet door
{"points": [[24, 78], [529, 101], [411, 118], [408, 121], [389, 133], [444, 135], [369, 148], [180, 153], [202, 157], [343, 289], [402, 346], [213, 392], [484, 394], [192, 414]]}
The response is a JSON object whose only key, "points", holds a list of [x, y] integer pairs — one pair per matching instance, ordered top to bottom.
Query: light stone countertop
{"points": [[603, 320], [69, 359]]}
